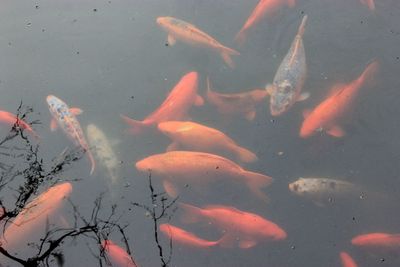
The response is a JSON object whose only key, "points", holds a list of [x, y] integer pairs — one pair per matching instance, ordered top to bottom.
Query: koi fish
{"points": [[369, 3], [263, 8], [181, 30], [290, 76], [239, 103], [175, 107], [326, 115], [65, 118], [11, 119], [197, 137], [103, 151], [198, 168], [324, 190], [35, 214], [248, 229], [183, 237], [377, 240], [117, 255], [347, 260]]}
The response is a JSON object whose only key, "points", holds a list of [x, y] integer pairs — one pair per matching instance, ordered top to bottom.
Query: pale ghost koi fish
{"points": [[181, 30], [289, 79], [65, 118], [103, 151]]}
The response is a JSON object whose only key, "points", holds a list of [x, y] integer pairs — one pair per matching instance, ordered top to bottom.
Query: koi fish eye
{"points": [[295, 187]]}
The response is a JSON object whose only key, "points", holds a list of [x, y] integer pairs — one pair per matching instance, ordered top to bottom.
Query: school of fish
{"points": [[201, 156]]}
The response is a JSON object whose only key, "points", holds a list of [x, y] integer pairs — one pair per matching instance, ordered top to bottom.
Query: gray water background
{"points": [[110, 58]]}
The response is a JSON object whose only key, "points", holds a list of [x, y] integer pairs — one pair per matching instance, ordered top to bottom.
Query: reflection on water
{"points": [[291, 133]]}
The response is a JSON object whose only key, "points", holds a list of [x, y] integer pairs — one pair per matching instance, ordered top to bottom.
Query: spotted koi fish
{"points": [[65, 118]]}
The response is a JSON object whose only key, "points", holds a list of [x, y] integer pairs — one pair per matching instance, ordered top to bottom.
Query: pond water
{"points": [[112, 58]]}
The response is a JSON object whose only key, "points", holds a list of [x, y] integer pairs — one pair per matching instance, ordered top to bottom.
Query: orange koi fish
{"points": [[369, 3], [263, 8], [181, 30], [239, 103], [175, 107], [326, 115], [65, 118], [11, 119], [197, 137], [197, 169], [35, 214], [248, 229], [183, 237], [377, 240], [117, 255], [347, 260]]}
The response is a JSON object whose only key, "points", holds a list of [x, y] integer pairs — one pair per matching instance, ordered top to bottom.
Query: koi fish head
{"points": [[167, 22], [282, 98], [54, 103], [146, 164], [301, 187], [274, 232]]}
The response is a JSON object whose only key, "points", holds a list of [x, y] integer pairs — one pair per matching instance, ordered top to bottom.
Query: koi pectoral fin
{"points": [[171, 40], [303, 96], [199, 101], [76, 111], [250, 115], [53, 125], [336, 131], [173, 146], [170, 188], [247, 243]]}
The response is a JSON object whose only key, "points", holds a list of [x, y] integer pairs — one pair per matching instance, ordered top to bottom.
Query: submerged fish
{"points": [[369, 3], [264, 7], [181, 30], [290, 76], [240, 103], [174, 107], [327, 114], [64, 117], [11, 119], [197, 137], [103, 150], [198, 168], [324, 190], [35, 214], [245, 228], [180, 236], [377, 241], [118, 256], [347, 260]]}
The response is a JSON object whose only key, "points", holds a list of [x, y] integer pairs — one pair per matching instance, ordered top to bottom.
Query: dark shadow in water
{"points": [[159, 210]]}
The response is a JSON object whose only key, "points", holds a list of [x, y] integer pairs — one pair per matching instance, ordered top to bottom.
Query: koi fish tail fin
{"points": [[291, 3], [369, 3], [302, 26], [241, 36], [226, 54], [369, 73], [137, 127], [245, 155], [92, 161], [256, 181], [191, 214]]}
